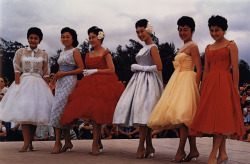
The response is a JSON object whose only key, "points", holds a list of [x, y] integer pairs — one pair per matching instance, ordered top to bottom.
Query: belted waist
{"points": [[67, 68], [31, 74]]}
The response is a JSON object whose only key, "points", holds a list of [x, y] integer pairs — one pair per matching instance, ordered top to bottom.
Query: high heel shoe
{"points": [[67, 148], [31, 149], [22, 150], [57, 152], [149, 154], [141, 156], [189, 158], [179, 161], [223, 161]]}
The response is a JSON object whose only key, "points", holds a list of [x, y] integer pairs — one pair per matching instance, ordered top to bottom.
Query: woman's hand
{"points": [[60, 74]]}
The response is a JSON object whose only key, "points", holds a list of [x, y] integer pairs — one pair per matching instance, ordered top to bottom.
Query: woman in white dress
{"points": [[29, 99]]}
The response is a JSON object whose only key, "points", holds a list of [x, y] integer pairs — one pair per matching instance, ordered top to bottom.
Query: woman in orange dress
{"points": [[98, 92], [219, 110]]}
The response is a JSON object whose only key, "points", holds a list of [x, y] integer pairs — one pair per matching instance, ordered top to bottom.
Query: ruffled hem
{"points": [[95, 97]]}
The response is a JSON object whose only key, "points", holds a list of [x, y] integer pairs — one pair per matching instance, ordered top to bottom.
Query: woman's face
{"points": [[185, 33], [216, 33], [142, 34], [66, 39], [33, 40], [93, 40]]}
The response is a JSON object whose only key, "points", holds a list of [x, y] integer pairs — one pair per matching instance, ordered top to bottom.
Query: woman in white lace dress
{"points": [[70, 64], [29, 99]]}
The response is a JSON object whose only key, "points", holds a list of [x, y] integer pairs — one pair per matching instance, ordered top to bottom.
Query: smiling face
{"points": [[185, 33], [216, 33], [142, 34], [66, 39], [33, 40], [93, 40]]}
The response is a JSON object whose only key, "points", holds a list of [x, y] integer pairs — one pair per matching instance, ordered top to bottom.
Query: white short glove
{"points": [[137, 67], [88, 72]]}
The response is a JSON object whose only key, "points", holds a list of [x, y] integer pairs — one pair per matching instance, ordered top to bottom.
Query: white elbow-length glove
{"points": [[137, 67], [88, 72]]}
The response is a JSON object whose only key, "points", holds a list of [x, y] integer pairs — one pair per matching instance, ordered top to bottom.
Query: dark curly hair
{"points": [[188, 21], [218, 21], [141, 23], [95, 30], [37, 31], [73, 34]]}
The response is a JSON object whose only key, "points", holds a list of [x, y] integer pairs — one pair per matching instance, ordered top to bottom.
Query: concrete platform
{"points": [[117, 151]]}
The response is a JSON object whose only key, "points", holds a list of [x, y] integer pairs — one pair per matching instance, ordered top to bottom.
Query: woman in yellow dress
{"points": [[177, 105]]}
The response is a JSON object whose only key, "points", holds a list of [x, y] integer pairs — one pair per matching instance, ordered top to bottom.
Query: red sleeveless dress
{"points": [[95, 96], [219, 110]]}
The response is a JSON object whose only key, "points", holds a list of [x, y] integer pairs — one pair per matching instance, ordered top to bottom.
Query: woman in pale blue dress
{"points": [[71, 64], [143, 90]]}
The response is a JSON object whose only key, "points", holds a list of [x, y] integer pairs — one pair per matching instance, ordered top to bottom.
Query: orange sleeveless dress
{"points": [[95, 96], [219, 110]]}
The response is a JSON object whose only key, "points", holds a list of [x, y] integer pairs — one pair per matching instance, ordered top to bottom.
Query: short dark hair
{"points": [[188, 21], [218, 21], [141, 23], [95, 30], [37, 31], [73, 34]]}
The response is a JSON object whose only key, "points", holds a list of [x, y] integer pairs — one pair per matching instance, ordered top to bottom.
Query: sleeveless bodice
{"points": [[144, 57], [67, 58], [219, 60], [98, 62], [183, 62]]}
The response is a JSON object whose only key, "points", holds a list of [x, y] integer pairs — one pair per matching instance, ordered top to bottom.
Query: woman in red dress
{"points": [[98, 92], [219, 110]]}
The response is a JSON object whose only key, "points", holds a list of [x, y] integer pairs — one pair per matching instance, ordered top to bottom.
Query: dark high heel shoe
{"points": [[67, 148], [149, 154], [189, 158]]}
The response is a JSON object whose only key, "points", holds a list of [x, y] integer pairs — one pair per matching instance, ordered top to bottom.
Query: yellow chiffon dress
{"points": [[180, 97]]}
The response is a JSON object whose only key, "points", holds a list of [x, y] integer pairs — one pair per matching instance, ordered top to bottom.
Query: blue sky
{"points": [[117, 19]]}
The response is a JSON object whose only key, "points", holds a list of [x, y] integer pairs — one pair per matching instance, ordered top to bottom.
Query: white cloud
{"points": [[117, 19]]}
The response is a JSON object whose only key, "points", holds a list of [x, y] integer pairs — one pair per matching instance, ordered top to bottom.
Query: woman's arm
{"points": [[156, 57], [234, 61], [197, 62], [80, 65]]}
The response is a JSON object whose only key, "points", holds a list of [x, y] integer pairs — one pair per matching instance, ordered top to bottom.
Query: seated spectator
{"points": [[52, 83], [3, 89], [246, 114], [86, 130], [109, 131], [2, 132], [15, 132], [128, 132], [44, 133], [167, 133], [73, 135]]}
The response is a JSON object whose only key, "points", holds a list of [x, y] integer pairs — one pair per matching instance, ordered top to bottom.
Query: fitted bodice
{"points": [[144, 57], [67, 58], [219, 60], [35, 61], [97, 62], [183, 62]]}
